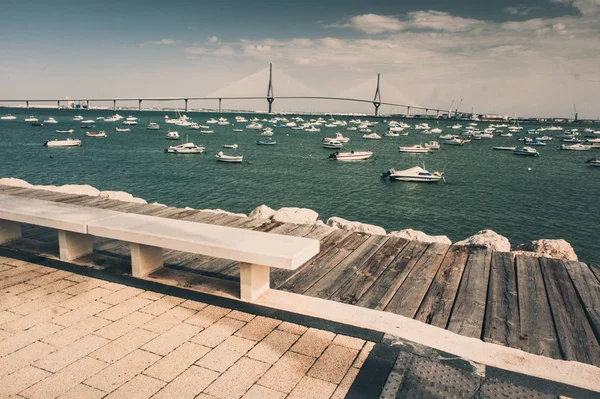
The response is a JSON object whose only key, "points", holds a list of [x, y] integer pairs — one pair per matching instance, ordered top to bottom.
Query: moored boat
{"points": [[8, 117], [31, 119], [50, 120], [153, 126], [122, 129], [70, 131], [101, 133], [172, 136], [372, 136], [267, 141], [63, 143], [332, 144], [234, 146], [576, 147], [185, 148], [417, 148], [504, 148], [527, 151], [351, 156], [229, 158], [593, 162], [414, 174]]}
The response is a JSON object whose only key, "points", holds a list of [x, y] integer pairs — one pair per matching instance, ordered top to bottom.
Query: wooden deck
{"points": [[543, 306]]}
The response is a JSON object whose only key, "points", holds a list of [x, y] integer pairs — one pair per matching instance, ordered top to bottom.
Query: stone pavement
{"points": [[70, 335]]}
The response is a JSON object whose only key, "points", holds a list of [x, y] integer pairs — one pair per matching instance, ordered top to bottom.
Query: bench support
{"points": [[9, 231], [74, 245], [145, 259], [254, 281]]}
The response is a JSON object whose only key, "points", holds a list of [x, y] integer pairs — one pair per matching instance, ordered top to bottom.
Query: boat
{"points": [[8, 117], [78, 118], [114, 118], [31, 119], [50, 120], [212, 120], [88, 121], [129, 122], [223, 122], [37, 124], [254, 125], [86, 126], [153, 126], [194, 126], [122, 129], [312, 129], [238, 130], [436, 130], [70, 131], [206, 131], [267, 132], [389, 133], [99, 134], [509, 134], [172, 136], [372, 136], [338, 137], [446, 137], [545, 138], [571, 140], [267, 141], [455, 141], [63, 143], [536, 143], [332, 144], [434, 145], [234, 146], [576, 147], [185, 148], [417, 148], [504, 148], [527, 151], [351, 156], [229, 158], [593, 162], [414, 174]]}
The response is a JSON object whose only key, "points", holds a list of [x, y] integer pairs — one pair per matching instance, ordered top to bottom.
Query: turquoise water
{"points": [[485, 189]]}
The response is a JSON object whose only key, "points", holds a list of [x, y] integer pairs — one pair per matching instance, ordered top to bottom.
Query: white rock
{"points": [[11, 181], [78, 189], [121, 196], [158, 204], [225, 212], [262, 212], [296, 215], [355, 226], [415, 235], [489, 239], [558, 249]]}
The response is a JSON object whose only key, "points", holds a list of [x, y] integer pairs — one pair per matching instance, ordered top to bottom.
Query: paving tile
{"points": [[5, 267], [17, 270], [19, 278], [77, 278], [46, 279], [57, 285], [114, 286], [83, 287], [18, 288], [122, 295], [153, 296], [86, 297], [9, 302], [40, 303], [161, 305], [194, 305], [124, 308], [81, 313], [236, 314], [7, 316], [207, 316], [34, 318], [169, 319], [124, 325], [258, 328], [292, 328], [75, 331], [218, 332], [4, 334], [24, 338], [171, 339], [313, 342], [349, 342], [123, 345], [270, 349], [71, 353], [364, 353], [225, 355], [23, 357], [176, 362], [333, 364], [122, 371], [287, 372], [22, 379], [238, 379], [61, 382], [188, 384], [344, 386], [140, 387], [312, 388], [81, 391], [260, 392]]}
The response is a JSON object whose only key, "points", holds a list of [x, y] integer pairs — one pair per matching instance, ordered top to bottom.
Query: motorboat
{"points": [[8, 117], [78, 118], [114, 118], [31, 119], [240, 119], [51, 120], [180, 120], [212, 120], [88, 121], [129, 122], [223, 122], [37, 124], [254, 125], [86, 126], [153, 126], [194, 126], [122, 129], [312, 129], [238, 130], [436, 130], [70, 131], [206, 131], [267, 132], [101, 133], [390, 133], [509, 134], [486, 135], [172, 136], [372, 136], [338, 137], [446, 137], [545, 138], [571, 140], [267, 141], [455, 141], [63, 143], [536, 143], [332, 144], [434, 145], [234, 146], [576, 147], [185, 148], [417, 148], [504, 148], [527, 151], [351, 156], [229, 158], [593, 162], [414, 174]]}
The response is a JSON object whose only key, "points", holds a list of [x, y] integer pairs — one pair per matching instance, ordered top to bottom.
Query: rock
{"points": [[11, 181], [78, 189], [121, 196], [158, 204], [225, 212], [262, 212], [296, 215], [355, 226], [415, 235], [489, 239], [557, 249]]}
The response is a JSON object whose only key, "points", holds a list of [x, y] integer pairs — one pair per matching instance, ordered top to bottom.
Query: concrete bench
{"points": [[148, 235]]}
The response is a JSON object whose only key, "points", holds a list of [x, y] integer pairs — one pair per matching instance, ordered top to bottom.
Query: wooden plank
{"points": [[38, 194], [78, 200], [147, 209], [249, 223], [320, 232], [595, 269], [384, 288], [588, 289], [410, 294], [469, 306], [436, 307], [502, 324], [538, 335], [575, 335]]}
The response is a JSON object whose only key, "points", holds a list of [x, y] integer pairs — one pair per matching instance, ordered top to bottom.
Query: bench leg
{"points": [[9, 231], [74, 245], [145, 259], [254, 281]]}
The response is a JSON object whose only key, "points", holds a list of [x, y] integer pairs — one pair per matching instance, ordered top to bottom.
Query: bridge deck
{"points": [[543, 306]]}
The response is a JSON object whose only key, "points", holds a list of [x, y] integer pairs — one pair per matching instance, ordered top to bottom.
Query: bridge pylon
{"points": [[270, 97], [377, 98]]}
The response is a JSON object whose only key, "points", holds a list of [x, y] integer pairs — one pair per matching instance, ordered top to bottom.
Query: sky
{"points": [[525, 58]]}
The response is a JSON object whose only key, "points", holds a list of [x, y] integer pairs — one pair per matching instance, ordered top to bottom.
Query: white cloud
{"points": [[518, 10], [441, 21], [374, 24], [213, 39], [158, 42], [218, 51]]}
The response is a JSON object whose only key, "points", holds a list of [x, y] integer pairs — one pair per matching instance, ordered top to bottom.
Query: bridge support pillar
{"points": [[270, 101], [27, 104], [58, 104], [87, 104], [220, 104], [114, 105], [140, 105], [186, 105], [376, 105], [407, 112], [426, 112], [437, 113]]}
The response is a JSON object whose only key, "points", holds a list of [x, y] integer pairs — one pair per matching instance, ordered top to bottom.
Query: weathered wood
{"points": [[147, 209], [248, 223], [320, 232], [595, 269], [384, 288], [588, 289], [410, 294], [437, 305], [469, 306], [502, 324], [538, 335], [575, 335]]}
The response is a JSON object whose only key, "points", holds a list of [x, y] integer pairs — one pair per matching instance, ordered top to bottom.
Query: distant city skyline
{"points": [[531, 58]]}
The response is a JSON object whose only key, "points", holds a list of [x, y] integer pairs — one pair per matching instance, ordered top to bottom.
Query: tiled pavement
{"points": [[68, 335]]}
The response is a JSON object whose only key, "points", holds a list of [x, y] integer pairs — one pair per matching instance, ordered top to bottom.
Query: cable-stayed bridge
{"points": [[231, 93]]}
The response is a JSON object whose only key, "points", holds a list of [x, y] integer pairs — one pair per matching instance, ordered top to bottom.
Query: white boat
{"points": [[8, 117], [78, 118], [114, 118], [31, 119], [240, 119], [50, 120], [180, 120], [212, 120], [88, 121], [128, 122], [223, 122], [254, 125], [153, 126], [194, 126], [457, 126], [352, 128], [122, 129], [312, 129], [238, 130], [436, 130], [70, 131], [206, 131], [267, 133], [390, 133], [99, 134], [509, 134], [486, 135], [172, 136], [372, 136], [338, 137], [446, 137], [545, 138], [455, 141], [63, 143], [332, 143], [434, 145], [234, 146], [576, 147], [185, 148], [417, 148], [504, 148], [527, 151], [351, 156], [229, 158], [593, 162], [414, 174]]}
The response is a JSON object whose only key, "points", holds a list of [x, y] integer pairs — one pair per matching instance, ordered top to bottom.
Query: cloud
{"points": [[518, 10], [374, 24], [213, 39], [157, 42], [219, 51]]}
